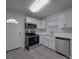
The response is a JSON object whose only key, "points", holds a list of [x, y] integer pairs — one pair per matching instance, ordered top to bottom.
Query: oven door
{"points": [[33, 41]]}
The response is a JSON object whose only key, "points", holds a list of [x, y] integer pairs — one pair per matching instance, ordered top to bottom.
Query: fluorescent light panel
{"points": [[38, 4]]}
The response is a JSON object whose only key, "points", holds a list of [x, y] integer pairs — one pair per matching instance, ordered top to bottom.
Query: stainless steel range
{"points": [[31, 38]]}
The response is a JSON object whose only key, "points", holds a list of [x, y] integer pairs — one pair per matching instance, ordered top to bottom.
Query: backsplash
{"points": [[40, 30], [63, 30], [67, 30]]}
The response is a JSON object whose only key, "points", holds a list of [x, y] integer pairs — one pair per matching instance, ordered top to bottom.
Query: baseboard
{"points": [[48, 47], [12, 49], [62, 54]]}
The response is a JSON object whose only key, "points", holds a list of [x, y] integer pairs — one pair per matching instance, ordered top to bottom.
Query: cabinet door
{"points": [[66, 19], [69, 19], [30, 20], [62, 20], [38, 24], [43, 24], [41, 39], [44, 40], [48, 41], [52, 43]]}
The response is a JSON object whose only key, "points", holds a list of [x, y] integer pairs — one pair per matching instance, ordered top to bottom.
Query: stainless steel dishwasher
{"points": [[63, 46]]}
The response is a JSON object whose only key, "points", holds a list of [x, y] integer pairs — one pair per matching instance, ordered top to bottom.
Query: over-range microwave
{"points": [[30, 25]]}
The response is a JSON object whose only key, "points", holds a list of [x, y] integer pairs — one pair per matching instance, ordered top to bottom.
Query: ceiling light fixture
{"points": [[38, 4], [12, 21]]}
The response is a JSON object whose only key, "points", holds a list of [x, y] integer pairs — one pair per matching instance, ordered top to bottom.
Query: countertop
{"points": [[63, 35]]}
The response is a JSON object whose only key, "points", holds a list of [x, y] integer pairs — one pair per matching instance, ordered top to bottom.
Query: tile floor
{"points": [[39, 52]]}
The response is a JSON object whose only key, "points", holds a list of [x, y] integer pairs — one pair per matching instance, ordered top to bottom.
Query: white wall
{"points": [[14, 32]]}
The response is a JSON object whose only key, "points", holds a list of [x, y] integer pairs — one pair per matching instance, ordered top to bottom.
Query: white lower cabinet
{"points": [[44, 40], [48, 41], [52, 43]]}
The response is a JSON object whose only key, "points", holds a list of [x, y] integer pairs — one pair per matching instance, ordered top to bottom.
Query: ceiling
{"points": [[51, 8]]}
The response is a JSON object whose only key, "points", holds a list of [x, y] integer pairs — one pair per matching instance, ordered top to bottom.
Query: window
{"points": [[53, 25]]}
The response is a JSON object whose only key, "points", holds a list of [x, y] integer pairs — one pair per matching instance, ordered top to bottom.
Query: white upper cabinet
{"points": [[66, 19], [69, 19], [31, 20], [40, 23], [43, 24]]}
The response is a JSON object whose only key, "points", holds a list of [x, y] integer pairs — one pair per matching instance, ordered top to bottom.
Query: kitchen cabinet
{"points": [[66, 19], [69, 19], [30, 20], [60, 21], [40, 23], [43, 24], [44, 40], [48, 41], [52, 43]]}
